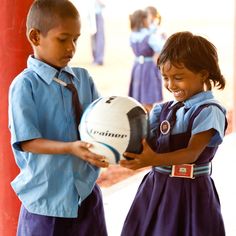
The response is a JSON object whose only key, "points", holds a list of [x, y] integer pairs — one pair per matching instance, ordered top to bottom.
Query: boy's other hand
{"points": [[81, 150]]}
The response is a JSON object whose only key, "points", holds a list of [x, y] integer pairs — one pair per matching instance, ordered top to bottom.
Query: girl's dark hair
{"points": [[43, 15], [137, 20], [196, 53]]}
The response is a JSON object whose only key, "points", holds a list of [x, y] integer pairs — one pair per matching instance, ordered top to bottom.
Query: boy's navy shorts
{"points": [[90, 220]]}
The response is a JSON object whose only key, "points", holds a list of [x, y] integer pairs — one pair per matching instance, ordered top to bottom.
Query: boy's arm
{"points": [[77, 148], [186, 155]]}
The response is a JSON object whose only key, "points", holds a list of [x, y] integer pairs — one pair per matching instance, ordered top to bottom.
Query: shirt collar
{"points": [[45, 71], [197, 98]]}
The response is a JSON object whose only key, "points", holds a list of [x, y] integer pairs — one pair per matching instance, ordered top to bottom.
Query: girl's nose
{"points": [[171, 85]]}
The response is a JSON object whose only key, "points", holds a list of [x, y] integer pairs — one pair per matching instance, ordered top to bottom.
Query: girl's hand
{"points": [[81, 150], [141, 160]]}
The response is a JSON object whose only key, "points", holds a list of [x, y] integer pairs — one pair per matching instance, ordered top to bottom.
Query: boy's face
{"points": [[58, 46], [181, 82]]}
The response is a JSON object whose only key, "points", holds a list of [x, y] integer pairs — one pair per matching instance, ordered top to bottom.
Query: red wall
{"points": [[14, 50]]}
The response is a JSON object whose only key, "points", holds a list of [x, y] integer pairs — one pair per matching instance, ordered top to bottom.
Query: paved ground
{"points": [[117, 199]]}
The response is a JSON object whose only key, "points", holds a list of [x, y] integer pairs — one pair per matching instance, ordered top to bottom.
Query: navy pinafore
{"points": [[170, 206]]}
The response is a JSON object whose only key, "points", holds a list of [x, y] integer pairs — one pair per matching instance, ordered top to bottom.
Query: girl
{"points": [[145, 85], [178, 196]]}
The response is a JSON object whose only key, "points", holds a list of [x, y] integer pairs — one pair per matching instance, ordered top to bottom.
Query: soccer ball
{"points": [[114, 125]]}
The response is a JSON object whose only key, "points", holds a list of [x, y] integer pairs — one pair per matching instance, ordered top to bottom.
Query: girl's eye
{"points": [[62, 39], [178, 78]]}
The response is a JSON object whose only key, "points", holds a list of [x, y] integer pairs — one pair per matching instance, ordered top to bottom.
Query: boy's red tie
{"points": [[75, 102]]}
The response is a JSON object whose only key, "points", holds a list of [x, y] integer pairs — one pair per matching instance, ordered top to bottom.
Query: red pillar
{"points": [[14, 50], [234, 87]]}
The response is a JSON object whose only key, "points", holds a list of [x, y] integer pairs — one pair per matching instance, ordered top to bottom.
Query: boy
{"points": [[56, 183]]}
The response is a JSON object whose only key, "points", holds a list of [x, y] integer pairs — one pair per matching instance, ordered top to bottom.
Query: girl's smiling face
{"points": [[182, 82]]}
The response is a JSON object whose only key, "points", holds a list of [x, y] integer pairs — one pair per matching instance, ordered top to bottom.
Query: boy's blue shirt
{"points": [[52, 185]]}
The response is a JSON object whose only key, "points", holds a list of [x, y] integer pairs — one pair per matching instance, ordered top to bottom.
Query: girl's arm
{"points": [[77, 148], [186, 155]]}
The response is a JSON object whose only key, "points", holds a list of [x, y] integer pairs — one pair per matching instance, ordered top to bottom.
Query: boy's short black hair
{"points": [[43, 15]]}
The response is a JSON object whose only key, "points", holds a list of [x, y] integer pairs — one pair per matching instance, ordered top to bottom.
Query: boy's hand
{"points": [[81, 150]]}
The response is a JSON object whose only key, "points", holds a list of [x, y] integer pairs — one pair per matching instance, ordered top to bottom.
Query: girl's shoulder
{"points": [[203, 101], [159, 107], [209, 108], [157, 110], [209, 116]]}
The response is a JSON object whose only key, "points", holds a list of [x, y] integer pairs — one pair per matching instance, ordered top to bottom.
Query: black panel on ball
{"points": [[138, 122]]}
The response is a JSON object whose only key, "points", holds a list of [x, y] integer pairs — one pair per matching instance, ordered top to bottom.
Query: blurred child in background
{"points": [[96, 22], [145, 85]]}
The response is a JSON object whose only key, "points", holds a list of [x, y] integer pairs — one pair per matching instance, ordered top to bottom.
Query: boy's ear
{"points": [[34, 36]]}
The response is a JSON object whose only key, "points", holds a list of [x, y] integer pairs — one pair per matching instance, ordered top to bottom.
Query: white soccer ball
{"points": [[114, 125]]}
